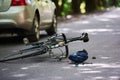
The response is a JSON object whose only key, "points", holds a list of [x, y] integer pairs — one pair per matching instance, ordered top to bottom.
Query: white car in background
{"points": [[28, 17]]}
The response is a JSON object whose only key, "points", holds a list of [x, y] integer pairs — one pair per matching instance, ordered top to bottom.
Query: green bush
{"points": [[67, 8]]}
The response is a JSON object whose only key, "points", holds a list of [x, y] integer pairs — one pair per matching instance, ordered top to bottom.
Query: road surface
{"points": [[104, 44]]}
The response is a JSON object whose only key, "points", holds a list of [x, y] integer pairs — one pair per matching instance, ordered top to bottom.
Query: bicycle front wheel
{"points": [[60, 48]]}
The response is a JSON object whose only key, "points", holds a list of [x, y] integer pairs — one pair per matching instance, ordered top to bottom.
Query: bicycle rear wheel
{"points": [[29, 52]]}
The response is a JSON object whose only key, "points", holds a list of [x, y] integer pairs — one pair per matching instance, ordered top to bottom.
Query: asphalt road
{"points": [[104, 44]]}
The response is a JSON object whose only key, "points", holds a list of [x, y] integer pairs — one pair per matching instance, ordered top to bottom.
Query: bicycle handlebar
{"points": [[84, 37]]}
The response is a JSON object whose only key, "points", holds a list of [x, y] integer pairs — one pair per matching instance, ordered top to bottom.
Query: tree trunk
{"points": [[115, 3], [90, 5], [62, 6], [76, 6], [57, 7]]}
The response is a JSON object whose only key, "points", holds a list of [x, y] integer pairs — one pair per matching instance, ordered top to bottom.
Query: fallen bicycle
{"points": [[56, 41]]}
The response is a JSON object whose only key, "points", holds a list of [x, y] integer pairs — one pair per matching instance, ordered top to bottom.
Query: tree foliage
{"points": [[65, 7]]}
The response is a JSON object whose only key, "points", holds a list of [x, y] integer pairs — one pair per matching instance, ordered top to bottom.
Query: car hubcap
{"points": [[55, 23], [37, 32]]}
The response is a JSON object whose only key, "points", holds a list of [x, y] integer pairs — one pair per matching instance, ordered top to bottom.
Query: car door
{"points": [[47, 13]]}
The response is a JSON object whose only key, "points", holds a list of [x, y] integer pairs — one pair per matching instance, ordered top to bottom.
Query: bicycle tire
{"points": [[66, 46], [62, 51], [22, 56]]}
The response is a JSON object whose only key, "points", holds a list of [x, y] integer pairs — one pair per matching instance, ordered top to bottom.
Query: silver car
{"points": [[28, 17]]}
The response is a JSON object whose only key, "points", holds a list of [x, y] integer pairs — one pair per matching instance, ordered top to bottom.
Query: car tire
{"points": [[53, 28], [35, 33]]}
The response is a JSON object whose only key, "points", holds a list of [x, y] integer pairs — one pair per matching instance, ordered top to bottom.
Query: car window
{"points": [[4, 5]]}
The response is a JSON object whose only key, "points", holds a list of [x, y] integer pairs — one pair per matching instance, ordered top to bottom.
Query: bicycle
{"points": [[56, 41]]}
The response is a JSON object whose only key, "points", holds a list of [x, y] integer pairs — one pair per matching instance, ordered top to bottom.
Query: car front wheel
{"points": [[53, 28], [35, 30]]}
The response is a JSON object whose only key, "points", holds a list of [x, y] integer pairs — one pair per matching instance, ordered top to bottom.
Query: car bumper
{"points": [[17, 17]]}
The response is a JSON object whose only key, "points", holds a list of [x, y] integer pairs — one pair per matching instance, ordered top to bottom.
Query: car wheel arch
{"points": [[38, 14]]}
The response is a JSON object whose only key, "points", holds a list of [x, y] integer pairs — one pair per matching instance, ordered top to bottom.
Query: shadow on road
{"points": [[16, 39], [10, 40]]}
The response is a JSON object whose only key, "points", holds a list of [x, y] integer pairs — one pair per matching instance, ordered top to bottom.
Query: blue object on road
{"points": [[79, 57]]}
